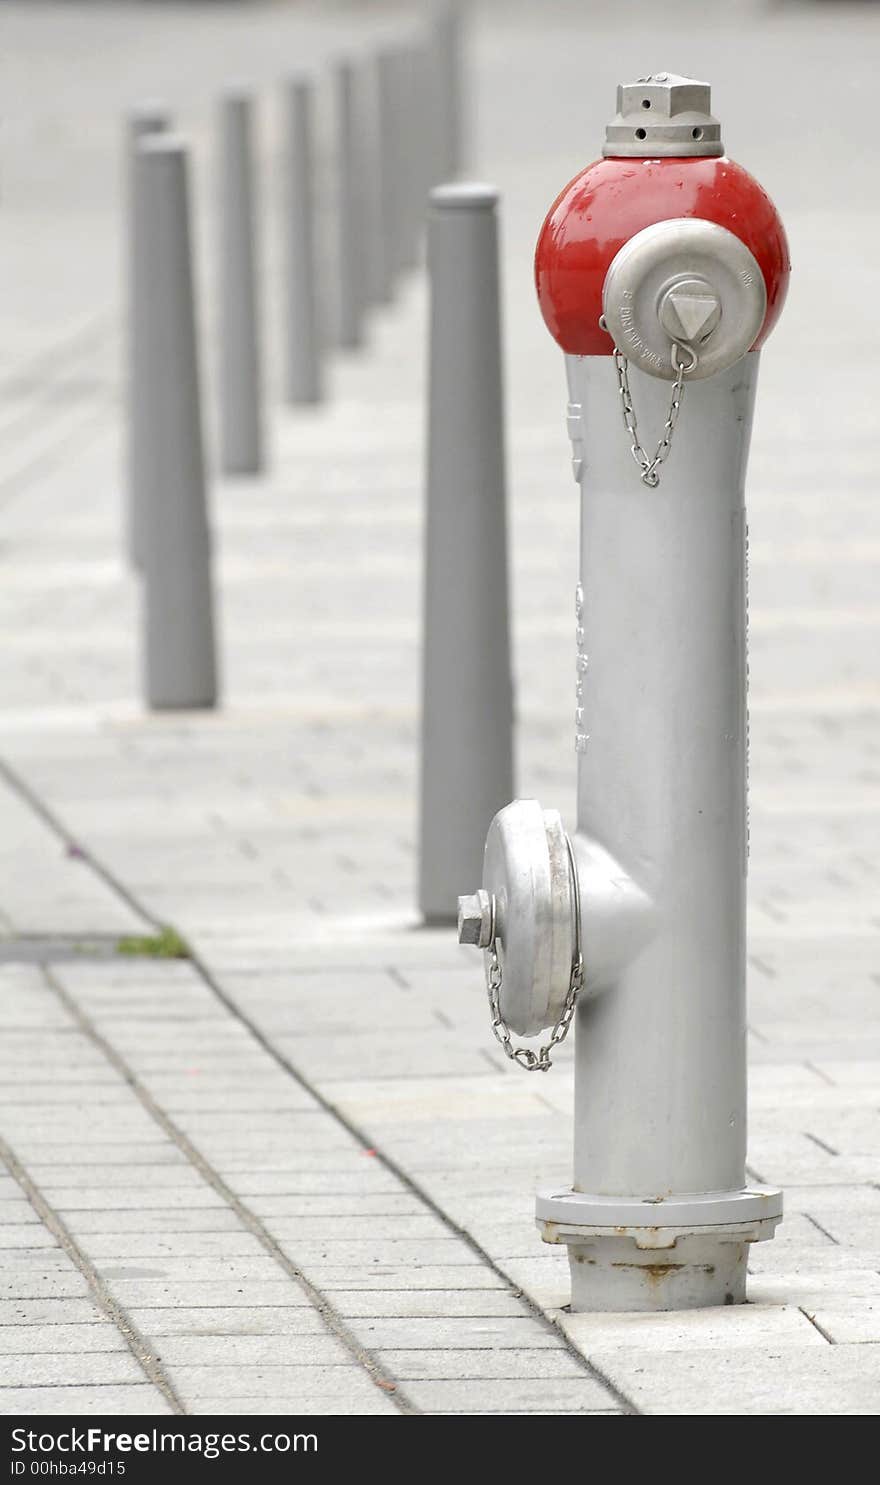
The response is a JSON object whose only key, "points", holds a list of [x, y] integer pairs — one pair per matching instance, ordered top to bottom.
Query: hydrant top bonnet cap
{"points": [[663, 115]]}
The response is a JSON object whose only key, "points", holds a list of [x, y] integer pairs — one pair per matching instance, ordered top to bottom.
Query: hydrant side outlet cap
{"points": [[614, 199], [692, 281], [526, 871]]}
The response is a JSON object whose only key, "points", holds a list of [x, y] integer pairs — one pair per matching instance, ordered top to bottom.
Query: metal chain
{"points": [[650, 467], [524, 1056], [532, 1061]]}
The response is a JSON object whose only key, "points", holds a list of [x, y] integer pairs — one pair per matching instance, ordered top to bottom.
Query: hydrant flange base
{"points": [[708, 1209], [684, 1253]]}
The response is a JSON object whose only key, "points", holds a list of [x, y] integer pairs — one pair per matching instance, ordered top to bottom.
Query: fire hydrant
{"points": [[660, 271]]}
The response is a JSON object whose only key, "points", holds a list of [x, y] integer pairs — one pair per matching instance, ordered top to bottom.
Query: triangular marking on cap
{"points": [[693, 312]]}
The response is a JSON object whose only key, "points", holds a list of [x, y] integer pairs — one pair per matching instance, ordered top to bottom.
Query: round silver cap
{"points": [[685, 282], [527, 871]]}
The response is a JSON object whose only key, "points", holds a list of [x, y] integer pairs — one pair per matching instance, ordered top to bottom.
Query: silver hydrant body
{"points": [[634, 927]]}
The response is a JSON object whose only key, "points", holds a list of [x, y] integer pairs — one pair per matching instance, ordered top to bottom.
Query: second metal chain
{"points": [[650, 467]]}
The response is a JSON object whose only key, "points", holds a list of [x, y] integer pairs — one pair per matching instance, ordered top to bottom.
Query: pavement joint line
{"points": [[43, 368], [55, 399], [84, 431], [30, 797], [820, 1074], [823, 1145], [824, 1230], [325, 1308], [816, 1326], [136, 1343], [590, 1368]]}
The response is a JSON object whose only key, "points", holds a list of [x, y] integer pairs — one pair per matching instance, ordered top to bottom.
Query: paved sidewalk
{"points": [[294, 1173]]}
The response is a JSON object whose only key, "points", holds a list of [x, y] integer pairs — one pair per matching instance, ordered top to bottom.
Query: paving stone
{"points": [[72, 1203], [179, 1220], [28, 1235], [115, 1247], [221, 1267], [427, 1278], [27, 1286], [241, 1293], [425, 1303], [48, 1311], [244, 1319], [857, 1321], [723, 1328], [522, 1332], [61, 1338], [304, 1349], [483, 1364], [72, 1369], [824, 1379], [298, 1383], [477, 1395], [102, 1399], [332, 1404]]}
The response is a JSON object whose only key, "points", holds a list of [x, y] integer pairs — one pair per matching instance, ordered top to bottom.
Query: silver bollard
{"points": [[448, 88], [149, 118], [414, 133], [392, 165], [351, 266], [377, 272], [304, 379], [241, 430], [180, 663], [467, 695]]}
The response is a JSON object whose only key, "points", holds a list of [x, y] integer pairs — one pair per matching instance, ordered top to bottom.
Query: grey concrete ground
{"points": [[294, 1173]]}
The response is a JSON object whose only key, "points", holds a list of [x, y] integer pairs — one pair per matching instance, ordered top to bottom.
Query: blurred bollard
{"points": [[448, 88], [149, 118], [414, 135], [392, 143], [350, 255], [377, 276], [304, 380], [241, 430], [180, 659], [467, 695]]}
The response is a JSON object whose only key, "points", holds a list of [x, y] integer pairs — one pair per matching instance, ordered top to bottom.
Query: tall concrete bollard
{"points": [[448, 100], [149, 118], [391, 130], [413, 162], [352, 266], [377, 271], [304, 379], [241, 431], [180, 663], [467, 695]]}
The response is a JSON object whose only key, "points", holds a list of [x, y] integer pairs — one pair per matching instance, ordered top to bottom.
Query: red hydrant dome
{"points": [[612, 200]]}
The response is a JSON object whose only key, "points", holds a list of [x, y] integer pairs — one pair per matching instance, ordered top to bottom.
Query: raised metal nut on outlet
{"points": [[475, 914]]}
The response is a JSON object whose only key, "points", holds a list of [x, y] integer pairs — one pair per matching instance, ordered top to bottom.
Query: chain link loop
{"points": [[650, 467], [524, 1057]]}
